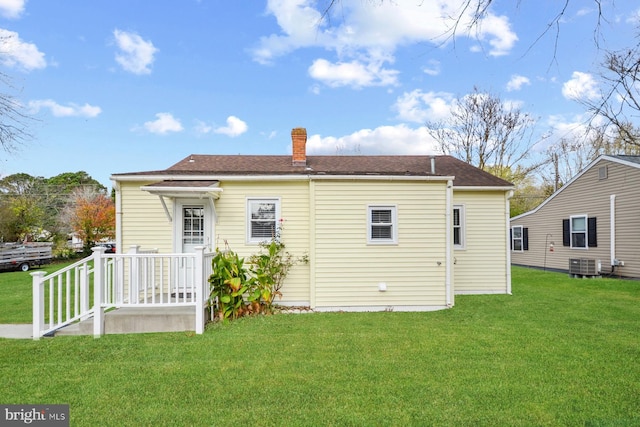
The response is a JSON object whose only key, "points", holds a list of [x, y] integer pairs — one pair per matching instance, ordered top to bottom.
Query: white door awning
{"points": [[185, 189]]}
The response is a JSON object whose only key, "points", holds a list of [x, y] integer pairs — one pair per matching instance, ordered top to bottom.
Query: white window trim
{"points": [[394, 225], [463, 228], [586, 231], [513, 239], [255, 241]]}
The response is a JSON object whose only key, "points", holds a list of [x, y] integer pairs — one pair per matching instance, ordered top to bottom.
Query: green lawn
{"points": [[15, 293], [559, 351]]}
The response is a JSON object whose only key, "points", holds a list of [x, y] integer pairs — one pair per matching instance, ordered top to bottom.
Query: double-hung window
{"points": [[262, 219], [382, 227], [458, 227], [579, 231], [516, 238], [519, 238]]}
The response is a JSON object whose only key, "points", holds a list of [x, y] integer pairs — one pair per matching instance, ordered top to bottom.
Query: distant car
{"points": [[110, 248]]}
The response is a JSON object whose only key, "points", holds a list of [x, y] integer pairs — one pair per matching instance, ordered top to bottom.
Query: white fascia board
{"points": [[621, 161], [575, 177], [145, 178], [380, 178], [481, 188]]}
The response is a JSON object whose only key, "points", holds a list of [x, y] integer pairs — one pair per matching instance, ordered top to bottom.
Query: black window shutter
{"points": [[566, 233], [593, 235], [511, 238], [525, 238]]}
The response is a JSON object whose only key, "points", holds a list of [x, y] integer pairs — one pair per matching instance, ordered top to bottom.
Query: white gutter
{"points": [[292, 177], [116, 187], [481, 188], [507, 215], [448, 245], [612, 247]]}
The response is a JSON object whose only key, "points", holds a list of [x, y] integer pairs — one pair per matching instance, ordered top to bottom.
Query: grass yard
{"points": [[16, 291], [559, 351]]}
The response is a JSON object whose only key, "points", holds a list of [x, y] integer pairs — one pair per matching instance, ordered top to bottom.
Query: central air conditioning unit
{"points": [[583, 267]]}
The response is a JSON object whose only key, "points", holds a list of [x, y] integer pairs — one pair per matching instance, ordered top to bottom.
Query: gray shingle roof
{"points": [[631, 159], [238, 165]]}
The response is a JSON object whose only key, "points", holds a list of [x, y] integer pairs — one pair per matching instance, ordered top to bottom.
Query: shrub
{"points": [[237, 290]]}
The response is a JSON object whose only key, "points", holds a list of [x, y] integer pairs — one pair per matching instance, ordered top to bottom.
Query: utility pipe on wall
{"points": [[507, 217], [448, 245], [612, 247]]}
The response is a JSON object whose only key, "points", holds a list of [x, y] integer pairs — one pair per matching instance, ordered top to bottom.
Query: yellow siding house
{"points": [[381, 232]]}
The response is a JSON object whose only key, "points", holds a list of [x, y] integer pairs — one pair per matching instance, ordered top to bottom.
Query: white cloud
{"points": [[11, 9], [634, 17], [365, 31], [500, 37], [20, 54], [136, 55], [433, 68], [354, 73], [516, 82], [581, 86], [422, 107], [71, 110], [164, 124], [235, 127], [202, 128], [398, 140]]}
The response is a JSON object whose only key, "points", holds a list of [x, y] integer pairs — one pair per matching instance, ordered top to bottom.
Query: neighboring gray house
{"points": [[590, 226]]}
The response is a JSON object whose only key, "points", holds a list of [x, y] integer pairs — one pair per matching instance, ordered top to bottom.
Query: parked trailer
{"points": [[23, 256]]}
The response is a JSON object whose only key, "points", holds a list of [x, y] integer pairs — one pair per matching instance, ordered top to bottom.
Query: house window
{"points": [[262, 215], [193, 225], [382, 225], [458, 227], [580, 232], [519, 238]]}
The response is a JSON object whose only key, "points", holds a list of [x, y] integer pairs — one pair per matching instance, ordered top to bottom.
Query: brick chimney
{"points": [[299, 141]]}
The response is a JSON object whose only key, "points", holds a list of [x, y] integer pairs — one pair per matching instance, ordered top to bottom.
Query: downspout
{"points": [[118, 202], [507, 217], [312, 243], [448, 245], [612, 248]]}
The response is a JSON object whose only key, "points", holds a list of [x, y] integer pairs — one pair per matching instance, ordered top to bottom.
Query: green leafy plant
{"points": [[230, 281], [237, 290]]}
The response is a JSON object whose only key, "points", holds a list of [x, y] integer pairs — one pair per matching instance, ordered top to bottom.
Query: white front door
{"points": [[193, 225]]}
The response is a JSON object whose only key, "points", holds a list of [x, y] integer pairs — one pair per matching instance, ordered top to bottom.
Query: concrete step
{"points": [[138, 320]]}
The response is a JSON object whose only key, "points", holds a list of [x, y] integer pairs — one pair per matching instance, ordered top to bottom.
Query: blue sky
{"points": [[124, 86]]}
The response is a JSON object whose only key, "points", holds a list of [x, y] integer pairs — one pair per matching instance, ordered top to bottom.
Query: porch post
{"points": [[98, 286], [199, 288], [84, 290], [38, 303]]}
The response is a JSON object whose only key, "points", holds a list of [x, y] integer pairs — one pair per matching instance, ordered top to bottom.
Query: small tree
{"points": [[487, 133], [91, 215]]}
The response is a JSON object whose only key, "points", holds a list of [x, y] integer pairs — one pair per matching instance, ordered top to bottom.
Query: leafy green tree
{"points": [[22, 208]]}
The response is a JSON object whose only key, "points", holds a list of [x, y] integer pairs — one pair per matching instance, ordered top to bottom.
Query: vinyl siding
{"points": [[588, 195], [294, 210], [143, 219], [481, 267], [348, 269]]}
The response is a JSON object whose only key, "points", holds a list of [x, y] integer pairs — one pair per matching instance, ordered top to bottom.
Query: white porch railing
{"points": [[135, 279]]}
